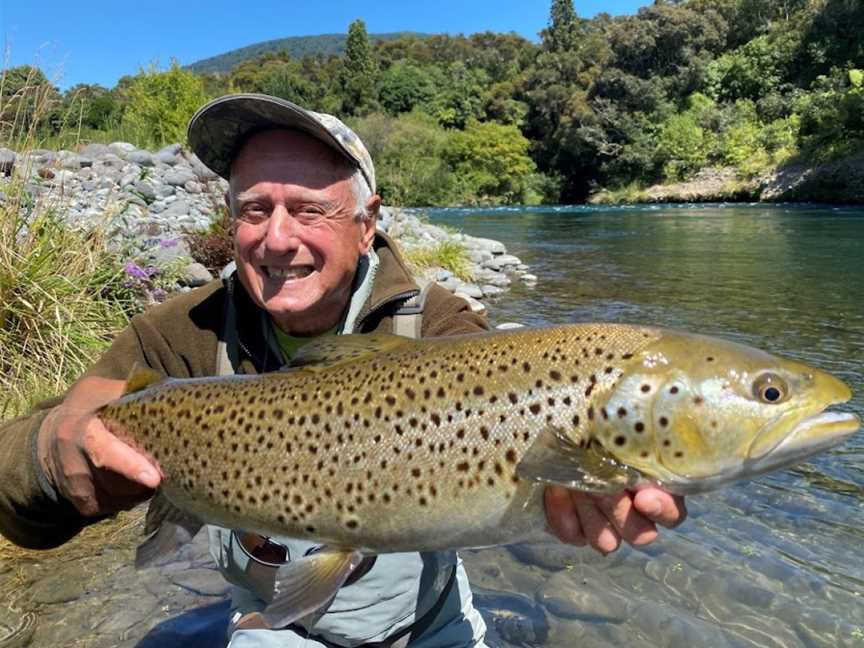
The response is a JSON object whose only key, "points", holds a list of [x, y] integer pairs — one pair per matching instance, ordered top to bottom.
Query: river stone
{"points": [[122, 148], [95, 150], [166, 157], [142, 158], [69, 160], [7, 161], [108, 161], [199, 168], [178, 177], [192, 187], [145, 190], [177, 209], [495, 247], [168, 251], [507, 260], [195, 274], [529, 278], [472, 290], [490, 290], [475, 305], [509, 326], [547, 556], [207, 582], [68, 585], [587, 599], [122, 617], [513, 618], [665, 626]]}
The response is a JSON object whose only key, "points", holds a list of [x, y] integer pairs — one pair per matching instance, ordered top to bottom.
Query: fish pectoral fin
{"points": [[334, 350], [141, 378], [555, 458], [167, 528], [306, 585]]}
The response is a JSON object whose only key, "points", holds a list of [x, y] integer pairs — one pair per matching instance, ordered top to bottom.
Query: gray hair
{"points": [[362, 194]]}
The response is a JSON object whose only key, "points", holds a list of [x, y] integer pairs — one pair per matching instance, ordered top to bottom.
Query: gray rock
{"points": [[122, 148], [170, 149], [95, 150], [166, 157], [143, 158], [69, 160], [7, 161], [108, 161], [198, 167], [178, 177], [128, 179], [192, 187], [145, 190], [163, 190], [157, 207], [177, 209], [495, 247], [168, 251], [477, 255], [507, 260], [195, 274], [442, 274], [529, 278], [452, 284], [472, 290], [491, 291], [475, 305], [508, 326], [207, 582], [61, 588], [565, 597], [124, 615]]}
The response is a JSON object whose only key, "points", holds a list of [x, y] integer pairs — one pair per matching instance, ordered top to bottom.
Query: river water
{"points": [[773, 562]]}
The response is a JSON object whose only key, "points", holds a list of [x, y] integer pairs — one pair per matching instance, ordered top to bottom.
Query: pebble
{"points": [[207, 582], [566, 597]]}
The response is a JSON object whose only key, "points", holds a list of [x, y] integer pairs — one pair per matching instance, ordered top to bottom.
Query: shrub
{"points": [[160, 104], [214, 247], [449, 255]]}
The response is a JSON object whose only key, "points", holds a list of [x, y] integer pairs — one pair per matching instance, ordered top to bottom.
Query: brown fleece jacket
{"points": [[179, 339]]}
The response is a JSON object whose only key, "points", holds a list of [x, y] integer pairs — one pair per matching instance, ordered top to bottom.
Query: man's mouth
{"points": [[288, 273]]}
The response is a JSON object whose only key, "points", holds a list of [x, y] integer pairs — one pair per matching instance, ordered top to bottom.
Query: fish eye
{"points": [[770, 388]]}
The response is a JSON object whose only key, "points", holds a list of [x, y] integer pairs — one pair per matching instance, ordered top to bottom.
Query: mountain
{"points": [[298, 46]]}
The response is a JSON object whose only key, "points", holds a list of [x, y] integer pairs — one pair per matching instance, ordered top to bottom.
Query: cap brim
{"points": [[218, 129]]}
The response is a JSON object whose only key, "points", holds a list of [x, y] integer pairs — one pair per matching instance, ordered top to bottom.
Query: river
{"points": [[773, 562]]}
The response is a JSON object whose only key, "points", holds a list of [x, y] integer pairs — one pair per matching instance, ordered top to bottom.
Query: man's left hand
{"points": [[603, 521]]}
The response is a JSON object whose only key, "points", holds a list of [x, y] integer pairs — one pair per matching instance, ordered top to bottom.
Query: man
{"points": [[308, 263]]}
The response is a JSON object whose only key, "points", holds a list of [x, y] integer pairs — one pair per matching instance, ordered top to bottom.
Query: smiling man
{"points": [[309, 263]]}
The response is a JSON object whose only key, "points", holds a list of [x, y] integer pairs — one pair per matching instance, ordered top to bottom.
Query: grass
{"points": [[449, 255]]}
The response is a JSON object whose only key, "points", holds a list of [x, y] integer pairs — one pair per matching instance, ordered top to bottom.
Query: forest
{"points": [[603, 103]]}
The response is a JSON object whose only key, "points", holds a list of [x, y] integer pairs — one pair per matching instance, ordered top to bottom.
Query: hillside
{"points": [[297, 46]]}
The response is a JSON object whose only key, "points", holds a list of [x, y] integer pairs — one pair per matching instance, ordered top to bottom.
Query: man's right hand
{"points": [[89, 466]]}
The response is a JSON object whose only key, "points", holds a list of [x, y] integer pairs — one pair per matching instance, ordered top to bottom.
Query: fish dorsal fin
{"points": [[333, 350], [141, 378], [555, 458]]}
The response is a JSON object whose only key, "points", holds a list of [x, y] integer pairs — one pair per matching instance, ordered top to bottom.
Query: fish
{"points": [[376, 443]]}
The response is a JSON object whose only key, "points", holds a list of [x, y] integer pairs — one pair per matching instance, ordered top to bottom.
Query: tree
{"points": [[562, 33], [361, 71], [405, 86], [28, 101]]}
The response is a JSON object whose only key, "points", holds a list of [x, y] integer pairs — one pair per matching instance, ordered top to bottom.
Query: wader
{"points": [[421, 599]]}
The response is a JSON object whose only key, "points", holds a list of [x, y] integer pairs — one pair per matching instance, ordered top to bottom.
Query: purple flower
{"points": [[134, 270]]}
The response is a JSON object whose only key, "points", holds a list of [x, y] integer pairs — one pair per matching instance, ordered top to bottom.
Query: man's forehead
{"points": [[283, 143]]}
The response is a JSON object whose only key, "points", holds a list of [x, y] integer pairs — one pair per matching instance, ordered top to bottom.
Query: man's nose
{"points": [[282, 231]]}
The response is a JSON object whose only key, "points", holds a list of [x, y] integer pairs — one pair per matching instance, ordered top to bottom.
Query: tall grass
{"points": [[449, 255], [62, 292]]}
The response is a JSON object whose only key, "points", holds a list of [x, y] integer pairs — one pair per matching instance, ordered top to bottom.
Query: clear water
{"points": [[788, 279]]}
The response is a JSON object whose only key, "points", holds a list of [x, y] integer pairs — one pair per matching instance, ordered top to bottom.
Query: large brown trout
{"points": [[377, 443]]}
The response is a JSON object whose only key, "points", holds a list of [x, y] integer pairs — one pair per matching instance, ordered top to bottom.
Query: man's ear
{"points": [[373, 206]]}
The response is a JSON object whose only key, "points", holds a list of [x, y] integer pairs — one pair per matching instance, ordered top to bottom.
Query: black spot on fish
{"points": [[673, 389], [478, 390], [513, 398], [535, 408], [622, 412], [664, 421], [639, 426], [620, 440], [510, 455], [462, 466]]}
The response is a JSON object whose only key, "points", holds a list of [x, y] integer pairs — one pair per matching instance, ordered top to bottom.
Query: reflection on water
{"points": [[772, 562]]}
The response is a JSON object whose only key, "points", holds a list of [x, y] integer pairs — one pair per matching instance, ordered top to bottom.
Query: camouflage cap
{"points": [[218, 129]]}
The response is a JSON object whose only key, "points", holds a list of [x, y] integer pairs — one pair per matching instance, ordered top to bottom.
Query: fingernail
{"points": [[147, 476]]}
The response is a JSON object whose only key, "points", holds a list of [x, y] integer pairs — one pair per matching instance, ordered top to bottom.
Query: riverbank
{"points": [[836, 182], [150, 201]]}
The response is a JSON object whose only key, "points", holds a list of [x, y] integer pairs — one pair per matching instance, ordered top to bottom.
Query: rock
{"points": [[122, 148], [95, 150], [166, 157], [8, 158], [142, 158], [69, 160], [108, 161], [203, 173], [178, 177], [192, 187], [145, 190], [177, 209], [495, 247], [169, 250], [507, 260], [195, 274], [442, 274], [529, 278], [472, 290], [491, 291], [475, 305], [507, 326], [207, 582], [61, 588], [565, 597], [124, 616], [513, 618]]}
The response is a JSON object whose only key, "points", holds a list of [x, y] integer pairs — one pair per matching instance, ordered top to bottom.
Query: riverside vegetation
{"points": [[680, 91]]}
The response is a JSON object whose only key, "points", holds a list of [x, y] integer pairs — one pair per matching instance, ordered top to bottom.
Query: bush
{"points": [[160, 104], [214, 247], [449, 255]]}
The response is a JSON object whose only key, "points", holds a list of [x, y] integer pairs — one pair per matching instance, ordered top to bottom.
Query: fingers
{"points": [[107, 452], [659, 506], [561, 516], [632, 526], [599, 529]]}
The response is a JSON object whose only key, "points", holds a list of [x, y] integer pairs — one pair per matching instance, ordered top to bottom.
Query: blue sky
{"points": [[98, 41]]}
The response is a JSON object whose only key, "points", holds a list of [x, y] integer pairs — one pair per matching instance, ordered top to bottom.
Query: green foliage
{"points": [[563, 27], [361, 71], [405, 86], [28, 103], [160, 104], [832, 117], [409, 161], [491, 163], [214, 247], [450, 255], [60, 301]]}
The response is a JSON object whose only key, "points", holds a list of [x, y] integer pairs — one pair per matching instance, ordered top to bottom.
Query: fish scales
{"points": [[420, 446]]}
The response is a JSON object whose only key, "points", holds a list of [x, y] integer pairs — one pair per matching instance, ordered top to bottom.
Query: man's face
{"points": [[296, 240]]}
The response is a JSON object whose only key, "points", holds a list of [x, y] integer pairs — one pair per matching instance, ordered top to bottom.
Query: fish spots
{"points": [[709, 359], [526, 367], [555, 375], [645, 389], [674, 389], [478, 390], [513, 398], [698, 400], [535, 408], [622, 412], [591, 413], [663, 421], [639, 426], [620, 440], [510, 455], [463, 466], [352, 524]]}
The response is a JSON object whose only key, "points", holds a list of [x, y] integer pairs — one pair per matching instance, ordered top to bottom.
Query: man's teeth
{"points": [[297, 272]]}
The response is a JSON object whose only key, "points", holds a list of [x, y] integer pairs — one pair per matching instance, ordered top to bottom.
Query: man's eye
{"points": [[253, 214], [310, 214]]}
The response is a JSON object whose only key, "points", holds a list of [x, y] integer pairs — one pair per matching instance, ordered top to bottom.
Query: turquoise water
{"points": [[776, 561]]}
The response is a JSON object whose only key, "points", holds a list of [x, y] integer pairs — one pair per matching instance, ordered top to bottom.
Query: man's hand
{"points": [[89, 466], [604, 520]]}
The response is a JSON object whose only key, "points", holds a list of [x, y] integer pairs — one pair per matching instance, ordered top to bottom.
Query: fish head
{"points": [[694, 412]]}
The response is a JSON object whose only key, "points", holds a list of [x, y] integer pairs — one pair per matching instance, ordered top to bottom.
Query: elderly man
{"points": [[309, 263]]}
